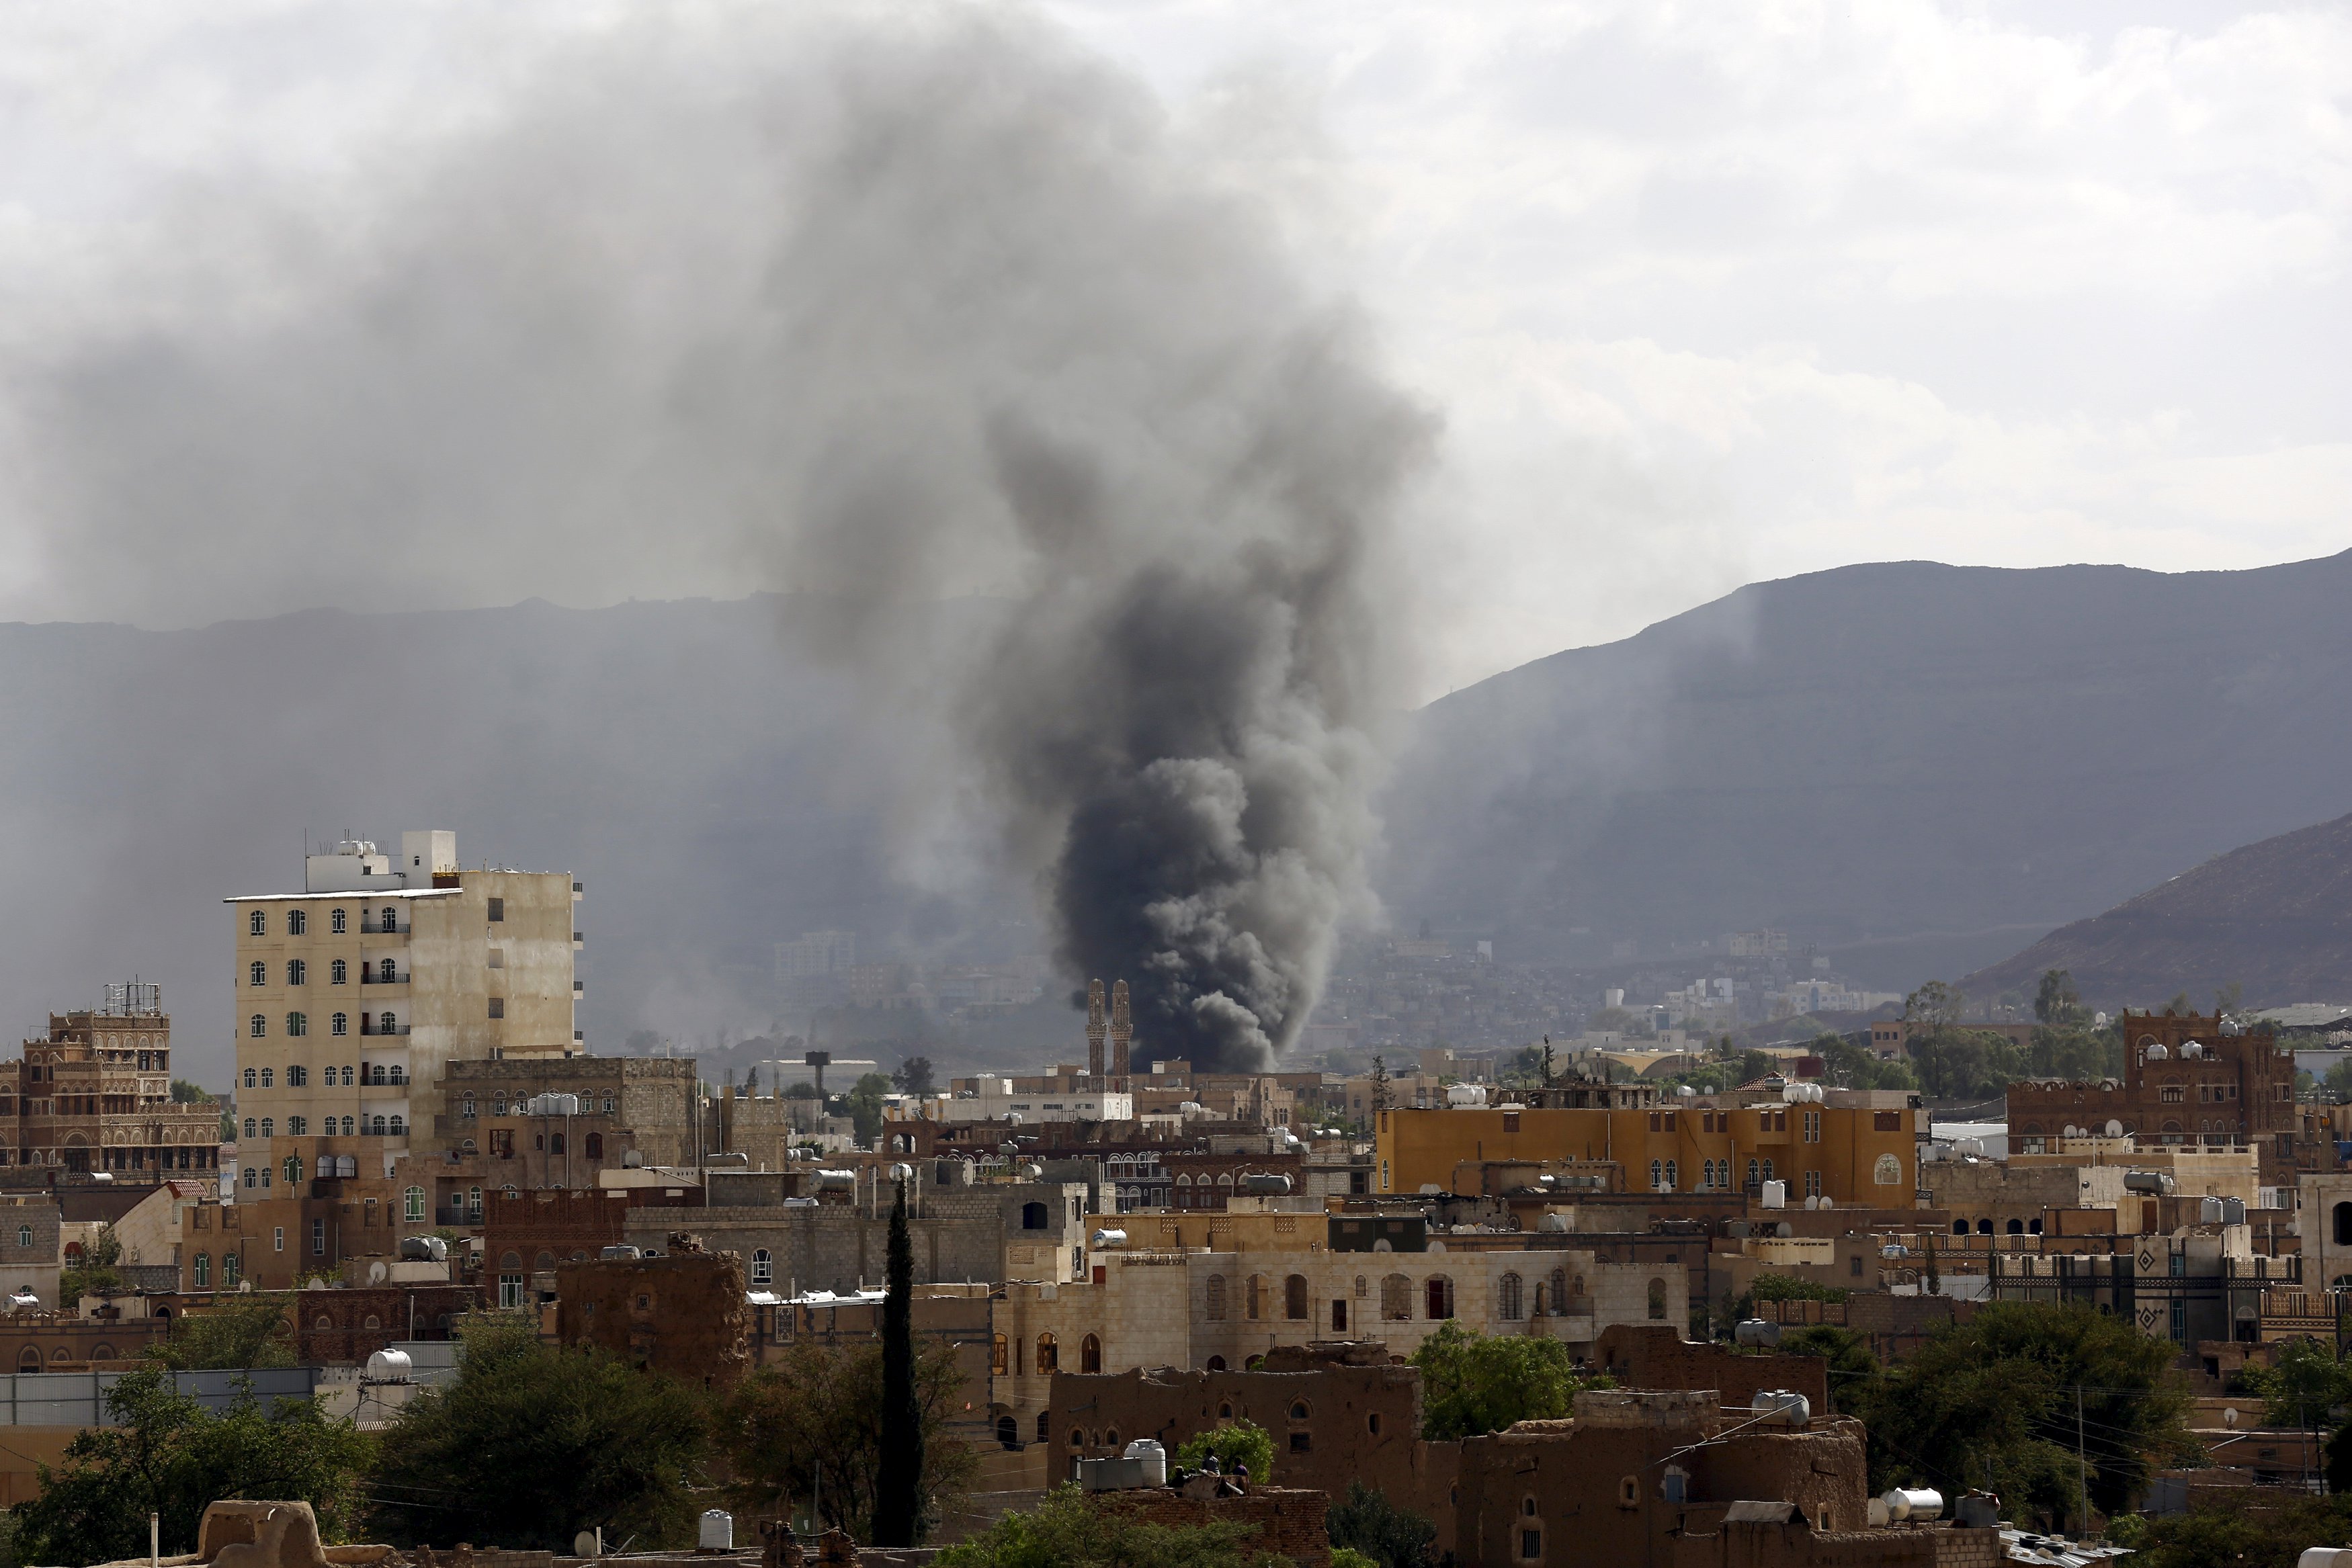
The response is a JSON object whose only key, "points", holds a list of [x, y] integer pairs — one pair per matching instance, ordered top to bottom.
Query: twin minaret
{"points": [[1119, 1028]]}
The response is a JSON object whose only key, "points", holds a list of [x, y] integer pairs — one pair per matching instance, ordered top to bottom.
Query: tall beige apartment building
{"points": [[353, 994]]}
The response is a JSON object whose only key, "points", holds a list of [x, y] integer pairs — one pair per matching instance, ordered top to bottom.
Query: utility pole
{"points": [[2081, 1464]]}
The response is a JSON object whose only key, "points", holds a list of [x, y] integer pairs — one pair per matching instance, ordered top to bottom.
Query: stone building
{"points": [[353, 995], [2188, 1082], [95, 1094], [556, 1121], [963, 1229], [526, 1236], [31, 1248], [682, 1312], [347, 1325], [1655, 1356], [1338, 1413], [1635, 1472]]}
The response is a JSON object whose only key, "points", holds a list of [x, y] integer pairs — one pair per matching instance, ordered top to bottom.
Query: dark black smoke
{"points": [[889, 305]]}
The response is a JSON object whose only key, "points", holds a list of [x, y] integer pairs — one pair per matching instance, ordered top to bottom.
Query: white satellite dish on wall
{"points": [[378, 1273]]}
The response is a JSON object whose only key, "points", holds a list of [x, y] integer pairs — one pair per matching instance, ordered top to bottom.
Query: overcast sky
{"points": [[1701, 295]]}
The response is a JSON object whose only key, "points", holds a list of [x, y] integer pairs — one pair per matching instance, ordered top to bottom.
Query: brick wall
{"points": [[683, 1314], [350, 1326], [1655, 1356], [1289, 1520]]}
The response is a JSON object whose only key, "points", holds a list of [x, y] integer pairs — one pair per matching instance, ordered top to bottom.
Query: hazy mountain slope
{"points": [[1923, 762], [714, 791], [2275, 918]]}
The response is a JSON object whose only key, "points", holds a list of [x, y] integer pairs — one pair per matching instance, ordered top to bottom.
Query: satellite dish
{"points": [[378, 1273], [2230, 1416], [584, 1545]]}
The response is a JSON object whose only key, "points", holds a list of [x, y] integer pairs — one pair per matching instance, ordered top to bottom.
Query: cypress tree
{"points": [[898, 1487]]}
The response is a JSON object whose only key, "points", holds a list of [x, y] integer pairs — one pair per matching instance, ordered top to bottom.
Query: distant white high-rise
{"points": [[816, 954]]}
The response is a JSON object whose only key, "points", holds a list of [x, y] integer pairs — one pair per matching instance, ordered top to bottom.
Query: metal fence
{"points": [[79, 1398]]}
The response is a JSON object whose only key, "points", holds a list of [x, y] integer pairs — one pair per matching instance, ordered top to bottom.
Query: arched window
{"points": [[391, 918], [336, 922], [297, 923], [257, 924], [257, 973], [339, 1023], [387, 1024], [256, 1028], [268, 1074], [399, 1125], [269, 1126], [594, 1146], [293, 1169], [1657, 1175], [1673, 1177], [1752, 1177], [1033, 1216], [1959, 1227], [1984, 1228], [2015, 1228], [232, 1266], [763, 1267], [203, 1271], [1439, 1289], [1558, 1291], [1216, 1298], [1294, 1298], [1396, 1299], [1657, 1299], [1507, 1301], [1256, 1309], [998, 1350], [1090, 1354], [1048, 1358]]}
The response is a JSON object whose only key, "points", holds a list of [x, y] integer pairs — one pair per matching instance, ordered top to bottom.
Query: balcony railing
{"points": [[382, 928], [370, 978], [373, 1026]]}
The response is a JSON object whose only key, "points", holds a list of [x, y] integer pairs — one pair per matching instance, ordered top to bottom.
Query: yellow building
{"points": [[352, 994], [1854, 1148]]}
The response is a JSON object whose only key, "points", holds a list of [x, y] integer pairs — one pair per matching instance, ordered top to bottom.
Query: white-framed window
{"points": [[335, 922], [257, 923], [297, 923], [257, 973], [339, 973], [339, 1023], [298, 1024], [258, 1026], [297, 1076], [268, 1077], [249, 1078], [269, 1126], [295, 1126], [399, 1126], [248, 1132], [1657, 1176], [1674, 1177], [250, 1180], [412, 1205], [24, 1235], [278, 1237], [763, 1268], [203, 1275], [510, 1291]]}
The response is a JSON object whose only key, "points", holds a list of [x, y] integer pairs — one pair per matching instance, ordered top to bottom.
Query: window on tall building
{"points": [[498, 909], [391, 918], [335, 922], [257, 923], [297, 923], [257, 973], [339, 973], [497, 1006], [339, 1023], [387, 1024], [258, 1026], [297, 1076], [268, 1077], [249, 1078], [399, 1125], [295, 1126], [248, 1132], [292, 1169], [1657, 1176], [1673, 1176], [412, 1205], [231, 1266], [763, 1267], [202, 1273], [1509, 1298]]}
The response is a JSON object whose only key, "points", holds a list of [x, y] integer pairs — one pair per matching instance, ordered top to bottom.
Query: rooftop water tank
{"points": [[2157, 1052], [1465, 1095], [1775, 1195], [1107, 1238], [424, 1249], [1760, 1332], [388, 1366], [1781, 1406], [1154, 1457], [1915, 1504], [717, 1532]]}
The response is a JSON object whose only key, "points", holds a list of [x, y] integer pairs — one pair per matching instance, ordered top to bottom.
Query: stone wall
{"points": [[683, 1313], [1655, 1356], [1289, 1521]]}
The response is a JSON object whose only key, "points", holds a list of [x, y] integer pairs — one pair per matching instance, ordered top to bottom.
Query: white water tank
{"points": [[1465, 1095], [1775, 1195], [1109, 1239], [1757, 1332], [388, 1366], [1781, 1407], [1154, 1457], [1914, 1503], [717, 1533]]}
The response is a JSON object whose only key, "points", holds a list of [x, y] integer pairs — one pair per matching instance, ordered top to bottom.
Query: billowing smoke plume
{"points": [[894, 309]]}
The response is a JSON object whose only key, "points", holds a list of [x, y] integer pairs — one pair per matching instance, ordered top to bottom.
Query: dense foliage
{"points": [[95, 1274], [1788, 1288], [236, 1332], [1852, 1368], [1472, 1383], [2302, 1388], [1992, 1403], [807, 1432], [532, 1444], [1236, 1444], [169, 1455], [2268, 1528], [1066, 1531], [1386, 1536]]}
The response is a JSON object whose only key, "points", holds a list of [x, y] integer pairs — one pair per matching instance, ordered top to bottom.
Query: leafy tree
{"points": [[2229, 998], [2056, 1002], [1936, 1005], [1955, 1063], [1852, 1066], [913, 1076], [2339, 1080], [1380, 1085], [802, 1089], [183, 1093], [865, 1102], [96, 1274], [1788, 1288], [236, 1332], [1852, 1368], [1472, 1383], [2302, 1386], [1991, 1402], [810, 1428], [532, 1444], [1236, 1444], [166, 1453], [898, 1503], [2268, 1528], [1067, 1531], [1383, 1534]]}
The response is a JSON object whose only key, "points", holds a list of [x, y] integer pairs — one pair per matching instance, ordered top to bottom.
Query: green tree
{"points": [[2055, 1000], [1936, 1005], [1851, 1066], [913, 1076], [1380, 1085], [186, 1094], [865, 1102], [96, 1274], [1788, 1288], [236, 1332], [1852, 1368], [1472, 1383], [2303, 1386], [1992, 1401], [808, 1430], [532, 1444], [1236, 1444], [166, 1453], [900, 1514], [2266, 1528], [1067, 1531], [1385, 1535]]}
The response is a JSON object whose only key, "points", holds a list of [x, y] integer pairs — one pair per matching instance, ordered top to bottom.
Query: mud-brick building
{"points": [[2190, 1082], [683, 1313]]}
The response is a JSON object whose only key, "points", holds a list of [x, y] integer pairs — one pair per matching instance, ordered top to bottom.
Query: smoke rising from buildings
{"points": [[890, 307]]}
